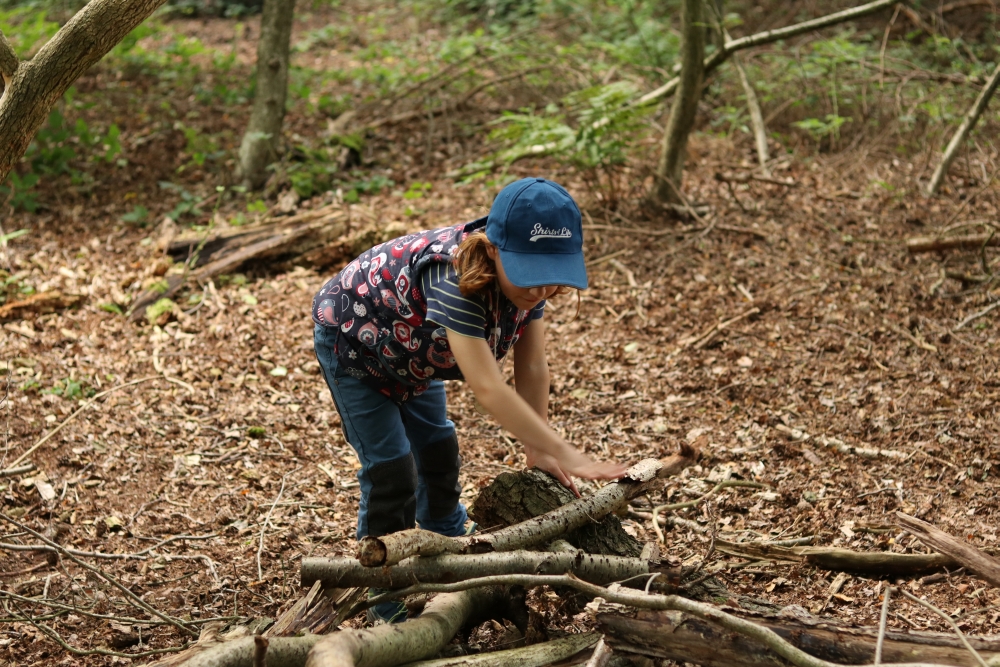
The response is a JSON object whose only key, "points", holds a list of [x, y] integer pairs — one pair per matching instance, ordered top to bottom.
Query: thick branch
{"points": [[8, 60], [38, 84], [968, 123], [562, 520], [392, 548], [969, 556], [842, 560], [344, 572], [641, 600], [687, 639], [396, 643], [281, 652], [538, 655]]}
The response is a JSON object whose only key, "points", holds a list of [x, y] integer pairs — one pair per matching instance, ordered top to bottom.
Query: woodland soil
{"points": [[852, 340]]}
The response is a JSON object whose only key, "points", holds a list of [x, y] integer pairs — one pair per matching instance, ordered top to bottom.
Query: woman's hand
{"points": [[574, 463]]}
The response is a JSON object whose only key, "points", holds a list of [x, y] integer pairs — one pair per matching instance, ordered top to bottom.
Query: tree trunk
{"points": [[32, 88], [260, 143], [670, 170], [515, 497], [685, 638]]}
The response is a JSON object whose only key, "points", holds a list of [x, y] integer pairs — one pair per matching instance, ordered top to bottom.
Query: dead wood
{"points": [[968, 122], [920, 244], [227, 250], [45, 302], [515, 497], [611, 498], [576, 514], [390, 549], [842, 560], [974, 560], [343, 572], [686, 638], [415, 639], [281, 652], [537, 655]]}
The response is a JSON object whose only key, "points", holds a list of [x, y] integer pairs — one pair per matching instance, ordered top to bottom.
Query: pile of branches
{"points": [[644, 606]]}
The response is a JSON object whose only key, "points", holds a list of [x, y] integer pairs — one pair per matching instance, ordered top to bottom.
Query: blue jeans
{"points": [[408, 453]]}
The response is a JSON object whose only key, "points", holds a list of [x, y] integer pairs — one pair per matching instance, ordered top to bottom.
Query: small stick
{"points": [[971, 318], [72, 416], [10, 472], [263, 528], [106, 577], [947, 618], [882, 624]]}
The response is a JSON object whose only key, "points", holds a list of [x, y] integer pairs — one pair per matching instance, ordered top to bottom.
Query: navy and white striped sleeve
{"points": [[447, 306]]}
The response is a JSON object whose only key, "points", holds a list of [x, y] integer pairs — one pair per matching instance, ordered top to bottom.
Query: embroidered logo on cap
{"points": [[539, 232]]}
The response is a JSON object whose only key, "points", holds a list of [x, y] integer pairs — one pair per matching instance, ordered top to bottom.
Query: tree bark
{"points": [[33, 87], [969, 122], [260, 143], [670, 170], [515, 497], [843, 560], [974, 560], [344, 572], [685, 638], [396, 643], [281, 652], [538, 655]]}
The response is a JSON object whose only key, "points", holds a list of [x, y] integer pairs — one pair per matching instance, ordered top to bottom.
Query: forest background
{"points": [[766, 306]]}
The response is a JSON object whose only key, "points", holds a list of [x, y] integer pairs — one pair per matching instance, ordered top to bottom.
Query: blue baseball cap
{"points": [[537, 227]]}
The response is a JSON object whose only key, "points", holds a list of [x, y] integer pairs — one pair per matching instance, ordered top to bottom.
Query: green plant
{"points": [[18, 194], [188, 204], [138, 216], [71, 389]]}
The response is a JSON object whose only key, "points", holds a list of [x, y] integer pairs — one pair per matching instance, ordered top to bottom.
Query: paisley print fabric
{"points": [[379, 311]]}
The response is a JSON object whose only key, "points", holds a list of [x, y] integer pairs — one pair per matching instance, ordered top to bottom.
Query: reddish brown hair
{"points": [[477, 271]]}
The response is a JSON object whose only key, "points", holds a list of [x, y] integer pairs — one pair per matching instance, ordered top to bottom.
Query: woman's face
{"points": [[524, 298]]}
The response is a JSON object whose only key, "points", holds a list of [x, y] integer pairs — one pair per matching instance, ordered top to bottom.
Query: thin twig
{"points": [[976, 316], [72, 416], [733, 483], [263, 528], [633, 598], [947, 618], [882, 624], [180, 625]]}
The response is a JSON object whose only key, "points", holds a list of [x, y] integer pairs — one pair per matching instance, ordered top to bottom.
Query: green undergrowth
{"points": [[565, 72]]}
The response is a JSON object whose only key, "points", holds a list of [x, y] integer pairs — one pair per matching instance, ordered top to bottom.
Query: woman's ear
{"points": [[491, 250]]}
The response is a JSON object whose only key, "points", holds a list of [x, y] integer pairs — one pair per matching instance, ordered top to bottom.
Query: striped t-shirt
{"points": [[448, 307]]}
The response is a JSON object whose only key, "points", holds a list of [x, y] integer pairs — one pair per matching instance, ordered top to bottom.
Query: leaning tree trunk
{"points": [[32, 88], [260, 143], [670, 170]]}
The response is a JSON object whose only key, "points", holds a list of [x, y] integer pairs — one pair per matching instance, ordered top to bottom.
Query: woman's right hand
{"points": [[572, 462]]}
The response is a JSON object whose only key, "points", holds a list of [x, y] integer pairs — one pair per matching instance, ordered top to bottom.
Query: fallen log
{"points": [[920, 244], [225, 251], [546, 527], [842, 560], [974, 560], [344, 572], [681, 637], [414, 639], [536, 655]]}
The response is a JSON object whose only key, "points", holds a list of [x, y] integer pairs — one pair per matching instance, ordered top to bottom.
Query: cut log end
{"points": [[371, 552]]}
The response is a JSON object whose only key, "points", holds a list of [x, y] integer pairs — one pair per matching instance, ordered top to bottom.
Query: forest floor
{"points": [[840, 333]]}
